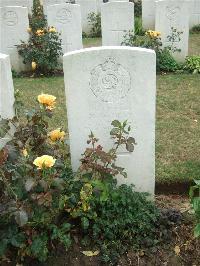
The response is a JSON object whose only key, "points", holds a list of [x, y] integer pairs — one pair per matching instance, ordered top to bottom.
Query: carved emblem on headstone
{"points": [[172, 12], [64, 15], [10, 18], [110, 81]]}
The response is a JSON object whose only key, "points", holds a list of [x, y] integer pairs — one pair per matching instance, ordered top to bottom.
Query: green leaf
{"points": [[116, 123], [4, 127], [114, 131], [130, 147], [197, 182], [29, 184], [21, 217], [85, 223], [197, 230], [3, 246]]}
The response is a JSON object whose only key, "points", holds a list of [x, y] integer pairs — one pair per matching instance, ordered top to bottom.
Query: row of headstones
{"points": [[149, 13], [117, 17], [114, 83]]}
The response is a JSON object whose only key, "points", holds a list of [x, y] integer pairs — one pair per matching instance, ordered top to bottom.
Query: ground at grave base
{"points": [[182, 250]]}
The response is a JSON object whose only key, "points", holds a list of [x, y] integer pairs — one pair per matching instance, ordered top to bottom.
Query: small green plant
{"points": [[94, 21], [138, 26], [195, 29], [152, 40], [43, 50], [193, 64], [195, 201]]}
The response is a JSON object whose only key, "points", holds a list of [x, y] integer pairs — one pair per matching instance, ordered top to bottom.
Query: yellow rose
{"points": [[52, 29], [29, 30], [40, 32], [33, 65], [47, 100], [56, 135], [24, 152], [44, 161]]}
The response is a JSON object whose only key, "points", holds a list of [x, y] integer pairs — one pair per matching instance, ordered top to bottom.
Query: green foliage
{"points": [[94, 21], [138, 26], [195, 29], [152, 40], [43, 49], [165, 61], [193, 64], [30, 197], [195, 201], [43, 204], [133, 222]]}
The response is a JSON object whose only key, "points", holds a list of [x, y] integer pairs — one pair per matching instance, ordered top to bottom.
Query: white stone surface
{"points": [[23, 3], [47, 3], [87, 7], [174, 13], [195, 13], [148, 14], [66, 18], [117, 18], [13, 23], [107, 83], [6, 92]]}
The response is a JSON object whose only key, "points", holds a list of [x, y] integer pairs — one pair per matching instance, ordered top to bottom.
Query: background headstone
{"points": [[24, 3], [47, 3], [87, 7], [174, 13], [195, 13], [148, 14], [66, 18], [117, 18], [13, 23], [107, 83], [6, 92]]}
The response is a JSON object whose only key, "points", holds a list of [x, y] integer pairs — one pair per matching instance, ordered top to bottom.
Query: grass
{"points": [[177, 123]]}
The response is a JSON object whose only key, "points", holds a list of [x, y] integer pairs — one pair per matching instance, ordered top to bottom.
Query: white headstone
{"points": [[24, 3], [47, 3], [87, 7], [174, 13], [195, 13], [148, 14], [66, 18], [117, 18], [13, 23], [107, 83], [6, 92]]}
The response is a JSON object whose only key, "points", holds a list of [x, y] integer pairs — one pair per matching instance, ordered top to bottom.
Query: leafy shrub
{"points": [[94, 21], [195, 29], [152, 40], [43, 49], [193, 64], [32, 184], [195, 200], [42, 203]]}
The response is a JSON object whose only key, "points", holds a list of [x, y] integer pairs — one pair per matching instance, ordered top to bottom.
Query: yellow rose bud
{"points": [[52, 29], [29, 30], [40, 32], [33, 65], [47, 100], [56, 135], [24, 152], [44, 161]]}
